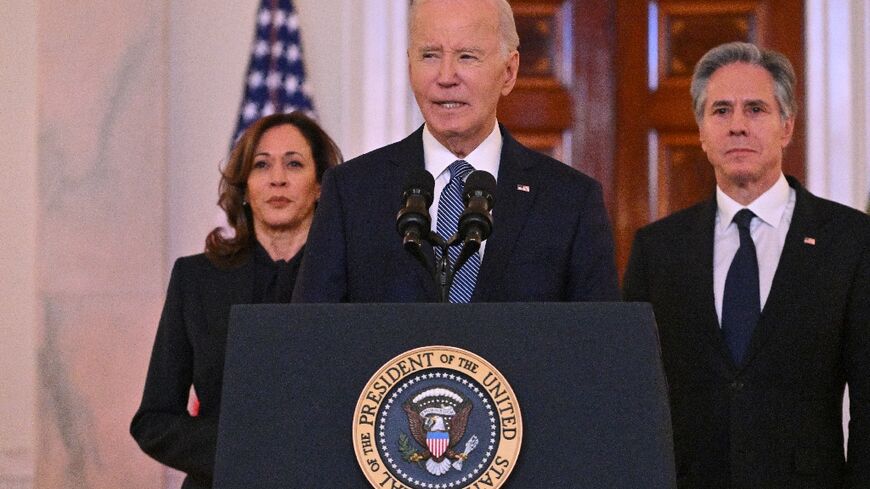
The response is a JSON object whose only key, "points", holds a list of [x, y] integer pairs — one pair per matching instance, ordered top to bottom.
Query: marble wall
{"points": [[102, 84], [116, 116], [18, 222]]}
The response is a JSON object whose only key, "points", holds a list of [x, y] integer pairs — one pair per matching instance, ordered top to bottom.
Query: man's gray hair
{"points": [[507, 27], [775, 63]]}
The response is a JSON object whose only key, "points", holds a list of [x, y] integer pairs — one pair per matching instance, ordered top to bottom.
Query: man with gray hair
{"points": [[551, 239], [762, 299]]}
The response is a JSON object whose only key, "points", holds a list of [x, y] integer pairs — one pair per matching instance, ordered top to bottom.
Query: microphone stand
{"points": [[444, 273]]}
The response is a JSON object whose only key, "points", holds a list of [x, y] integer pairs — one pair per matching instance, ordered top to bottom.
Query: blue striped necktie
{"points": [[450, 207], [741, 302]]}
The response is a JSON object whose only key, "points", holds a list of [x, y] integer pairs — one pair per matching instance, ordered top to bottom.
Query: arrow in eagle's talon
{"points": [[470, 445]]}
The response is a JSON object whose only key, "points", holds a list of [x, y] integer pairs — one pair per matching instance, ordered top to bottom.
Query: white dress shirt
{"points": [[486, 156], [773, 211]]}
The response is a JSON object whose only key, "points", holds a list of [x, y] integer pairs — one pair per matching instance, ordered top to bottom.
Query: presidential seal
{"points": [[437, 417]]}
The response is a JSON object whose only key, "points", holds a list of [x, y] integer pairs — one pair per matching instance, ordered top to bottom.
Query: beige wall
{"points": [[102, 98], [115, 117], [18, 221]]}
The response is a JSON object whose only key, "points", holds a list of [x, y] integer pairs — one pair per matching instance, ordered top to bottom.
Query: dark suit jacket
{"points": [[550, 243], [189, 349], [776, 421]]}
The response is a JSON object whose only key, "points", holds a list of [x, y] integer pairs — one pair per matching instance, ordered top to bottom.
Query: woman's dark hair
{"points": [[230, 250]]}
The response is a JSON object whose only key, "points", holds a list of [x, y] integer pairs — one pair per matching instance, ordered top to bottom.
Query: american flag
{"points": [[276, 73]]}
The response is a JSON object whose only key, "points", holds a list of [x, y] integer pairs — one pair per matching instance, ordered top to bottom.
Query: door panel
{"points": [[604, 86], [537, 110], [659, 165]]}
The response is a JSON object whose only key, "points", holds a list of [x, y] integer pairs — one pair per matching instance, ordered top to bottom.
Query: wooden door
{"points": [[604, 86], [538, 110], [659, 165]]}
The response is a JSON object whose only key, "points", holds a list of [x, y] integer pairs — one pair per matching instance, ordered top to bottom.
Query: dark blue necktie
{"points": [[450, 207], [741, 303]]}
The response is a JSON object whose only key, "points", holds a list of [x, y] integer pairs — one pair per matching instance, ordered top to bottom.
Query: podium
{"points": [[587, 377]]}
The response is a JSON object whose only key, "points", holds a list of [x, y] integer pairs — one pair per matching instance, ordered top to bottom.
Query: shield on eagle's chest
{"points": [[437, 442]]}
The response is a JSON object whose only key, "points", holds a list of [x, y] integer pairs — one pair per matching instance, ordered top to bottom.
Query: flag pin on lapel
{"points": [[522, 188], [810, 241]]}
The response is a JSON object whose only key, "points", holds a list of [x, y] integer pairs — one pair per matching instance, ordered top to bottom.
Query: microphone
{"points": [[413, 221], [475, 223]]}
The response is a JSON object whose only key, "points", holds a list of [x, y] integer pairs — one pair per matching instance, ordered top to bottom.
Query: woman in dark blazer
{"points": [[269, 190]]}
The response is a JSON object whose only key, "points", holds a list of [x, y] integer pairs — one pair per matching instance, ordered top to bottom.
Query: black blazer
{"points": [[551, 238], [189, 349], [777, 421]]}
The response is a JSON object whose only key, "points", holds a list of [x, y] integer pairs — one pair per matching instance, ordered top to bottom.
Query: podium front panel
{"points": [[587, 376]]}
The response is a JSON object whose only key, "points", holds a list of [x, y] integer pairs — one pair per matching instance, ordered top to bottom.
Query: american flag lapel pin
{"points": [[522, 187], [810, 241]]}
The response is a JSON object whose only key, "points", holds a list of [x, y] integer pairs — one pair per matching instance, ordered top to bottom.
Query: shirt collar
{"points": [[485, 156], [769, 206]]}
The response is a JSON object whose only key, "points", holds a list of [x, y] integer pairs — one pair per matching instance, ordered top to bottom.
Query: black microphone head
{"points": [[420, 182], [479, 183], [413, 221], [475, 223]]}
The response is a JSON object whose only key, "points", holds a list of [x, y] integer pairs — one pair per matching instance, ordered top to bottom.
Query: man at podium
{"points": [[551, 238]]}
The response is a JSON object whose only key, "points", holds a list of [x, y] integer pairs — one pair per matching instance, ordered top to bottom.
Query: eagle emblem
{"points": [[437, 419]]}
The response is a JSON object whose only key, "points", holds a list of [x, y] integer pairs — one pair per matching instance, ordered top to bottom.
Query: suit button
{"points": [[736, 386]]}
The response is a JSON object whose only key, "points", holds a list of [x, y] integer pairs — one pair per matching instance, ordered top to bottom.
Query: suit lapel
{"points": [[408, 153], [515, 193], [794, 268], [226, 287]]}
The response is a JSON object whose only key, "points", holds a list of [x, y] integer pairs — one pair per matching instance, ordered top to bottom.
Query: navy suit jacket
{"points": [[551, 238], [189, 350], [776, 421]]}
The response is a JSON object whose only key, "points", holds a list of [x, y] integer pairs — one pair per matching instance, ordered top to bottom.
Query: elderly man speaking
{"points": [[551, 238]]}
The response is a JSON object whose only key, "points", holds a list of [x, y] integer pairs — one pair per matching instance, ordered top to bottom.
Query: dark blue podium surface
{"points": [[588, 379]]}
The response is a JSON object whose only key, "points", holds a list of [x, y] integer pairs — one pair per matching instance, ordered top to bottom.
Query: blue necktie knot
{"points": [[459, 169], [743, 218]]}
